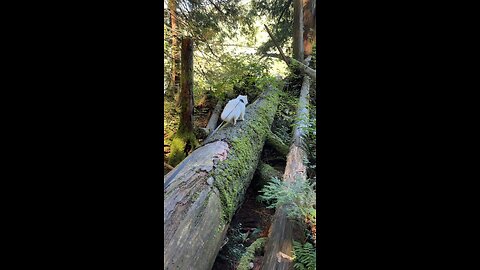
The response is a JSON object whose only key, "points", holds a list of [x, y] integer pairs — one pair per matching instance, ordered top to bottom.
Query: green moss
{"points": [[177, 147], [177, 153], [250, 254]]}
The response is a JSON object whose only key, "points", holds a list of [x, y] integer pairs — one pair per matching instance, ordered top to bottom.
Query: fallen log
{"points": [[212, 123], [277, 144], [266, 173], [203, 192], [278, 249]]}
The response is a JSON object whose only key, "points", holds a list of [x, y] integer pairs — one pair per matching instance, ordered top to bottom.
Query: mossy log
{"points": [[277, 144], [266, 173], [203, 192], [278, 249]]}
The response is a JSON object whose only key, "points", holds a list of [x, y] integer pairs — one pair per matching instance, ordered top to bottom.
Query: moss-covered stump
{"points": [[203, 192]]}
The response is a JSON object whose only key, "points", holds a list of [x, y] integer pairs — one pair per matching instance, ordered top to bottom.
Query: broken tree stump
{"points": [[212, 123]]}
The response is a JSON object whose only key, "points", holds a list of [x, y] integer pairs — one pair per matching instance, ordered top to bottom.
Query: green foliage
{"points": [[204, 18], [280, 21], [234, 75], [284, 116], [181, 143], [177, 153], [298, 197], [250, 253], [305, 256]]}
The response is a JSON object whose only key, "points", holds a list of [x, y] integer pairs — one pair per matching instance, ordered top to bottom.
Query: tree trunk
{"points": [[298, 30], [309, 35], [174, 78], [186, 82], [184, 140], [203, 192], [278, 250]]}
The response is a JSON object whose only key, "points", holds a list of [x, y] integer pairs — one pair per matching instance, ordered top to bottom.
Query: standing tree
{"points": [[298, 30], [309, 34], [174, 78], [186, 94], [184, 140]]}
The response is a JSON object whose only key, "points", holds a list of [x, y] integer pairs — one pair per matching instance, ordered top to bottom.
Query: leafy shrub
{"points": [[177, 153], [298, 197]]}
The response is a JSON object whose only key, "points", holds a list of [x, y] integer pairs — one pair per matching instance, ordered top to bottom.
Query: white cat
{"points": [[233, 111]]}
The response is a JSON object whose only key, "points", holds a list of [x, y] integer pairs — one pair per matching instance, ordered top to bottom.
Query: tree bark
{"points": [[298, 30], [309, 35], [174, 78], [186, 82], [212, 123], [184, 140], [203, 192], [278, 250]]}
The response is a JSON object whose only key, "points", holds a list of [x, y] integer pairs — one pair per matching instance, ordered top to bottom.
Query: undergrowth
{"points": [[298, 197], [255, 247], [234, 248], [305, 256]]}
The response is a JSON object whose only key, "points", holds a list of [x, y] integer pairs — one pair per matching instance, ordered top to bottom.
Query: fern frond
{"points": [[305, 256]]}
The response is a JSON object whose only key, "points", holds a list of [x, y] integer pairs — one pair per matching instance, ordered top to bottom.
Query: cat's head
{"points": [[243, 98]]}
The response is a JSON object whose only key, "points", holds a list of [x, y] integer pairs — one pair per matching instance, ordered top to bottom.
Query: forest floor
{"points": [[251, 222]]}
